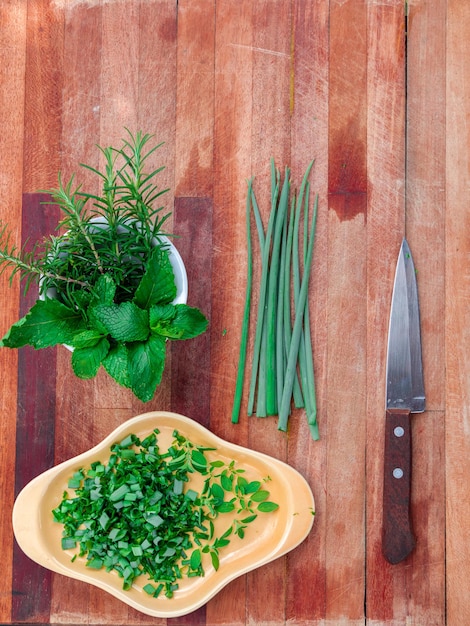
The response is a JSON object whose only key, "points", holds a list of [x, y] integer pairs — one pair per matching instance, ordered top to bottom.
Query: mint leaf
{"points": [[157, 285], [104, 290], [124, 322], [181, 322], [48, 323], [86, 339], [86, 361], [115, 363], [146, 363]]}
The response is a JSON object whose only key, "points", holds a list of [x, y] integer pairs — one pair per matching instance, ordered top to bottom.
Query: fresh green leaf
{"points": [[157, 285], [104, 289], [124, 322], [179, 322], [48, 323], [86, 339], [86, 361], [146, 361], [116, 364], [198, 460], [226, 482], [253, 486], [217, 491], [260, 495], [225, 507], [267, 507], [196, 559], [215, 559]]}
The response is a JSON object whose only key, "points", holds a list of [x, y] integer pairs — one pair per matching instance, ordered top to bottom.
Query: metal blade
{"points": [[405, 386]]}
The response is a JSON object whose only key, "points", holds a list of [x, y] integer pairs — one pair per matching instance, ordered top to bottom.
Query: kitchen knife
{"points": [[404, 395]]}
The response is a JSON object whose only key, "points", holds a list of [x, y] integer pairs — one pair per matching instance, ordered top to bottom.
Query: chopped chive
{"points": [[145, 523]]}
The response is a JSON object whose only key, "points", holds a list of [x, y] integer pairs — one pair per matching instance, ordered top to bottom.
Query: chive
{"points": [[296, 261], [272, 296], [246, 313], [260, 322], [297, 330], [281, 354], [309, 369], [297, 392], [119, 493], [68, 543]]}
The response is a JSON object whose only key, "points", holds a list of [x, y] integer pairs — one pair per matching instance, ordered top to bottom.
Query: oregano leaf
{"points": [[260, 496], [267, 507], [215, 559]]}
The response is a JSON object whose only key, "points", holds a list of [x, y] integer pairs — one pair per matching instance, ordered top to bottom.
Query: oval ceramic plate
{"points": [[270, 536]]}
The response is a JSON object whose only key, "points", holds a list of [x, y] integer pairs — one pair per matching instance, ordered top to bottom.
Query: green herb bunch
{"points": [[106, 284], [138, 515]]}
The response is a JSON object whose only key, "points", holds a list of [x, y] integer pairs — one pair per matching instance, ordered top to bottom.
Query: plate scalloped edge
{"points": [[32, 528]]}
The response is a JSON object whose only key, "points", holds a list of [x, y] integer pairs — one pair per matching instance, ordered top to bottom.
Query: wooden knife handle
{"points": [[397, 539]]}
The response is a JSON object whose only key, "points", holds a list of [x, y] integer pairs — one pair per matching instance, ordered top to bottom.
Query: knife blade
{"points": [[404, 395]]}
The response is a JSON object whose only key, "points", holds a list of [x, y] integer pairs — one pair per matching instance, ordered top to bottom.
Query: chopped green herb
{"points": [[136, 515]]}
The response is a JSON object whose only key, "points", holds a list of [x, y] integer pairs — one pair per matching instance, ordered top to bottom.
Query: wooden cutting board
{"points": [[380, 100]]}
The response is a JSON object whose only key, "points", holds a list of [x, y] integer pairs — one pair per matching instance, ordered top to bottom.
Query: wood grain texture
{"points": [[13, 18], [381, 104], [457, 312], [386, 593]]}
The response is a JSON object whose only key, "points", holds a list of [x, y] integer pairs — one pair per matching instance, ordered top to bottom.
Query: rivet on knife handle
{"points": [[398, 539]]}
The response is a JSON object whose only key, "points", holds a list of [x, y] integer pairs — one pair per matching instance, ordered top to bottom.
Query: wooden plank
{"points": [[12, 64], [195, 98], [43, 101], [156, 106], [156, 110], [270, 127], [232, 165], [425, 231], [347, 275], [457, 313], [190, 360], [35, 415], [35, 424], [306, 565], [386, 597], [70, 599]]}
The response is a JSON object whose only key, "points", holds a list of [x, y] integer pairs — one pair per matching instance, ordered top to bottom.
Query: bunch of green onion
{"points": [[282, 370]]}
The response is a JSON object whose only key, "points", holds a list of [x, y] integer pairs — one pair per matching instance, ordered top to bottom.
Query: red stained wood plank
{"points": [[12, 64], [81, 93], [43, 98], [195, 98], [270, 127], [232, 165], [425, 230], [347, 263], [457, 313], [190, 376], [35, 425], [306, 565], [386, 596]]}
